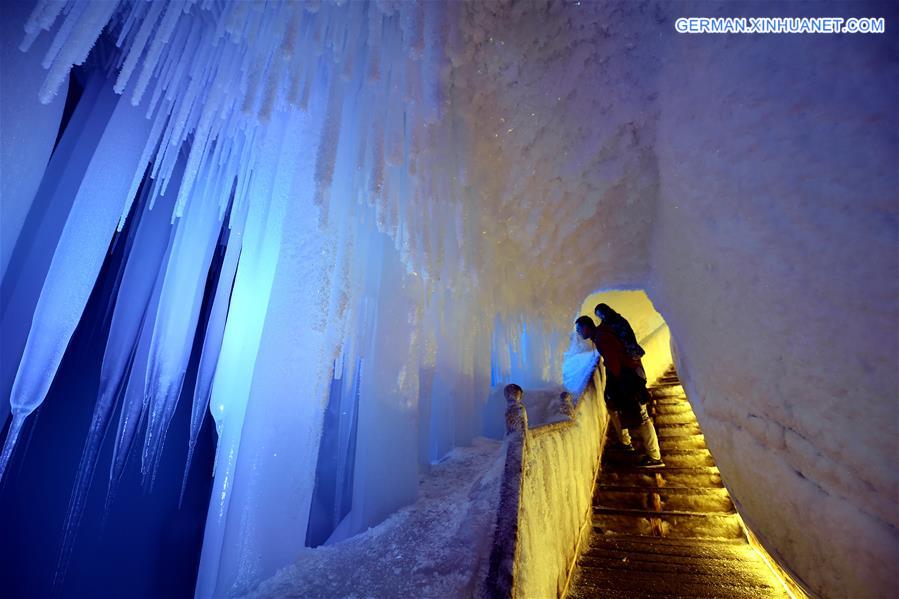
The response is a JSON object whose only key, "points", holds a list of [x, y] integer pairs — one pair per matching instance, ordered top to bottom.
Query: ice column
{"points": [[31, 258], [76, 262], [134, 292], [176, 319], [233, 379], [280, 437], [386, 475]]}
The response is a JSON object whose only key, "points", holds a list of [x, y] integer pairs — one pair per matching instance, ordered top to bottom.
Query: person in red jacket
{"points": [[625, 388]]}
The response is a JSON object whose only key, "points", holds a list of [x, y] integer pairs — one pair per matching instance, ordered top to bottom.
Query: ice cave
{"points": [[289, 291]]}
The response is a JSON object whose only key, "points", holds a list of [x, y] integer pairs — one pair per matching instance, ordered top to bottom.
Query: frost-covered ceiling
{"points": [[529, 124]]}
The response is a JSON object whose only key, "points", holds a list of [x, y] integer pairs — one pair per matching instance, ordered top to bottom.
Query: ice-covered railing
{"points": [[546, 493]]}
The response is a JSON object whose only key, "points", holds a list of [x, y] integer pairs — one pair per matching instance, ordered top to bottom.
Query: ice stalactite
{"points": [[29, 128], [310, 140], [31, 258], [76, 263], [136, 286], [132, 298], [176, 320], [215, 330], [243, 331], [291, 378], [388, 390], [134, 401]]}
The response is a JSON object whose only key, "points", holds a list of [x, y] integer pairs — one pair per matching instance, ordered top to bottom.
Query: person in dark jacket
{"points": [[622, 329], [625, 388]]}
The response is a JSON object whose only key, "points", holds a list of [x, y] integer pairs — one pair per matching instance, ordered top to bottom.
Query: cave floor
{"points": [[671, 531]]}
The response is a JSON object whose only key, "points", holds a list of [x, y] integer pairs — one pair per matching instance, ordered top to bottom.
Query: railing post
{"points": [[501, 574]]}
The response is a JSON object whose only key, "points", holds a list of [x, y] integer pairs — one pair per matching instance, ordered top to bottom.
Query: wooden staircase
{"points": [[671, 531]]}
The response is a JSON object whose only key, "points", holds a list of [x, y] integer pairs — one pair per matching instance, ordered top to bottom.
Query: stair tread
{"points": [[681, 469], [657, 489], [659, 514], [642, 540], [668, 553], [708, 572], [639, 584]]}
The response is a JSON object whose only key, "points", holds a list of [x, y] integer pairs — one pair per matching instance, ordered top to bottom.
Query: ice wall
{"points": [[293, 172], [774, 262]]}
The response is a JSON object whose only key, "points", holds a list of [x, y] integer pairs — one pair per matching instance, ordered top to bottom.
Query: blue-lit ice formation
{"points": [[271, 160]]}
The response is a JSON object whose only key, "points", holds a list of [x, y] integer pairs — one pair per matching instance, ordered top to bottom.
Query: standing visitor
{"points": [[625, 388]]}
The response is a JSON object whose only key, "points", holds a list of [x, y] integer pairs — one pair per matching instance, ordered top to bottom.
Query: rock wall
{"points": [[774, 263]]}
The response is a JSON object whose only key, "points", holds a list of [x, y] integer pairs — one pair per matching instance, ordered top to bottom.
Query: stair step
{"points": [[666, 390], [672, 401], [671, 409], [681, 418], [678, 430], [669, 444], [677, 459], [629, 465], [664, 477], [674, 499], [604, 511], [672, 523], [639, 543], [668, 548], [671, 559], [732, 570], [593, 582]]}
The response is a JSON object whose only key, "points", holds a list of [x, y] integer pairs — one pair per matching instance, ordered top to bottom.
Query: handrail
{"points": [[548, 427], [503, 566]]}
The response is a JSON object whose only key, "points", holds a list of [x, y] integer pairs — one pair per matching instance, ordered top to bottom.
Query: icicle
{"points": [[137, 13], [42, 17], [375, 19], [65, 30], [163, 33], [415, 41], [77, 46], [272, 87], [29, 131], [330, 136], [150, 145], [66, 169], [376, 182], [77, 258], [136, 287], [176, 320], [243, 330], [212, 342], [12, 437]]}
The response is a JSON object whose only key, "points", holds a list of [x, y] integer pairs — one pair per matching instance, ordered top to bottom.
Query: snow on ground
{"points": [[435, 547]]}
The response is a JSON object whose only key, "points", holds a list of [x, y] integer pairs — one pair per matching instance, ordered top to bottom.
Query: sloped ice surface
{"points": [[434, 548]]}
